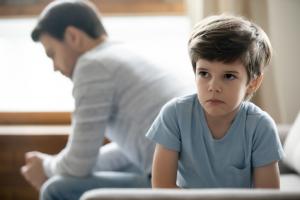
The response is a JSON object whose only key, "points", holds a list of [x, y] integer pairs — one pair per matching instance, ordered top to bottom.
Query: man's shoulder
{"points": [[96, 62]]}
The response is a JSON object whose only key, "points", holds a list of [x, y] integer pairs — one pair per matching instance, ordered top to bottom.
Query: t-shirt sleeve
{"points": [[165, 129], [267, 147]]}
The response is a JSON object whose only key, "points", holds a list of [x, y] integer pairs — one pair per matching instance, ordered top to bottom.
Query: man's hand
{"points": [[33, 169]]}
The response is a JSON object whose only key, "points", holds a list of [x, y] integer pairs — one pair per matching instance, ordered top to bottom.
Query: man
{"points": [[117, 94]]}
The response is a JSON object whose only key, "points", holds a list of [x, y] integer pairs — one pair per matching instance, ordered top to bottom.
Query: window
{"points": [[32, 93]]}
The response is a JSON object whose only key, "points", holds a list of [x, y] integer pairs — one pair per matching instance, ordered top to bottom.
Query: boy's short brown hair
{"points": [[228, 38]]}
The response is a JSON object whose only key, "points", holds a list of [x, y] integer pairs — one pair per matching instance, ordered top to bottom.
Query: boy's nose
{"points": [[214, 86]]}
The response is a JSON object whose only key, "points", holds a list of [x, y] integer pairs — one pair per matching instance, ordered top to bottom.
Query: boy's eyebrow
{"points": [[202, 68], [226, 71], [232, 72]]}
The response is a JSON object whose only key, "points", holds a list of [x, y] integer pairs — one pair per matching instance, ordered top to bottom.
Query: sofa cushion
{"points": [[292, 146], [290, 182]]}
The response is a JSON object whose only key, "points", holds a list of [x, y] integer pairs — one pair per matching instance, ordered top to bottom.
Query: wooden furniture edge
{"points": [[36, 118]]}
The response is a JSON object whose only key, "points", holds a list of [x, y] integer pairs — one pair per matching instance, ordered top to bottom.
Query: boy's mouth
{"points": [[215, 101]]}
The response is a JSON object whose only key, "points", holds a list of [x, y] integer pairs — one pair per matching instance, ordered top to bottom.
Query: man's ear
{"points": [[73, 38], [254, 84]]}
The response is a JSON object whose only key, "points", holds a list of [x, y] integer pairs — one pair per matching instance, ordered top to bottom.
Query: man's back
{"points": [[130, 91]]}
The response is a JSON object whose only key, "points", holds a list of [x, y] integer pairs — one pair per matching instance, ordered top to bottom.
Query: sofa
{"points": [[289, 180], [190, 194]]}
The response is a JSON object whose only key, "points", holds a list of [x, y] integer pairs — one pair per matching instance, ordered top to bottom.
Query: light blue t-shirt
{"points": [[251, 141]]}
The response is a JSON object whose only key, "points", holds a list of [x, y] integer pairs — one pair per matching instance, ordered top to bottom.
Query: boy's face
{"points": [[63, 56], [221, 87]]}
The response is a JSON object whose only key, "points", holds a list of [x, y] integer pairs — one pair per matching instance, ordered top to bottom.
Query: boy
{"points": [[117, 94], [216, 138]]}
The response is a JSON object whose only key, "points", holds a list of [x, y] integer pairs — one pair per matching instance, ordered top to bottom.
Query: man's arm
{"points": [[93, 93], [164, 169], [267, 176]]}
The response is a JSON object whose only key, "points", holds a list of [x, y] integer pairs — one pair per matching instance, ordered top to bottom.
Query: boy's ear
{"points": [[73, 37], [255, 84]]}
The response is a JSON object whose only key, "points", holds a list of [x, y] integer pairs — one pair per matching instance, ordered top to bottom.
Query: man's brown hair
{"points": [[60, 14]]}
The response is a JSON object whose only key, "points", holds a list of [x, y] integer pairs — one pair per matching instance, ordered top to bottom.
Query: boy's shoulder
{"points": [[183, 100], [180, 103], [179, 109], [253, 109], [254, 112]]}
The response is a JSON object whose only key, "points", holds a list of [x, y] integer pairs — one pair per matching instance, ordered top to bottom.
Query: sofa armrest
{"points": [[283, 130], [190, 194]]}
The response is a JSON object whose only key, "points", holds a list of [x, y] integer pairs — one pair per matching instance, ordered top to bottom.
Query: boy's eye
{"points": [[203, 74], [229, 76]]}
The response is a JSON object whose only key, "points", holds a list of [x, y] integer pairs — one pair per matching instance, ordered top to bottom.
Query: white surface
{"points": [[284, 29], [28, 82], [36, 129]]}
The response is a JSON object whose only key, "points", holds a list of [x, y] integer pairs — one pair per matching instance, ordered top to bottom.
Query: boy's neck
{"points": [[219, 125]]}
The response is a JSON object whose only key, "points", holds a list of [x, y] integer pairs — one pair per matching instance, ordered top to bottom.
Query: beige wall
{"points": [[284, 27], [280, 92], [267, 96]]}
